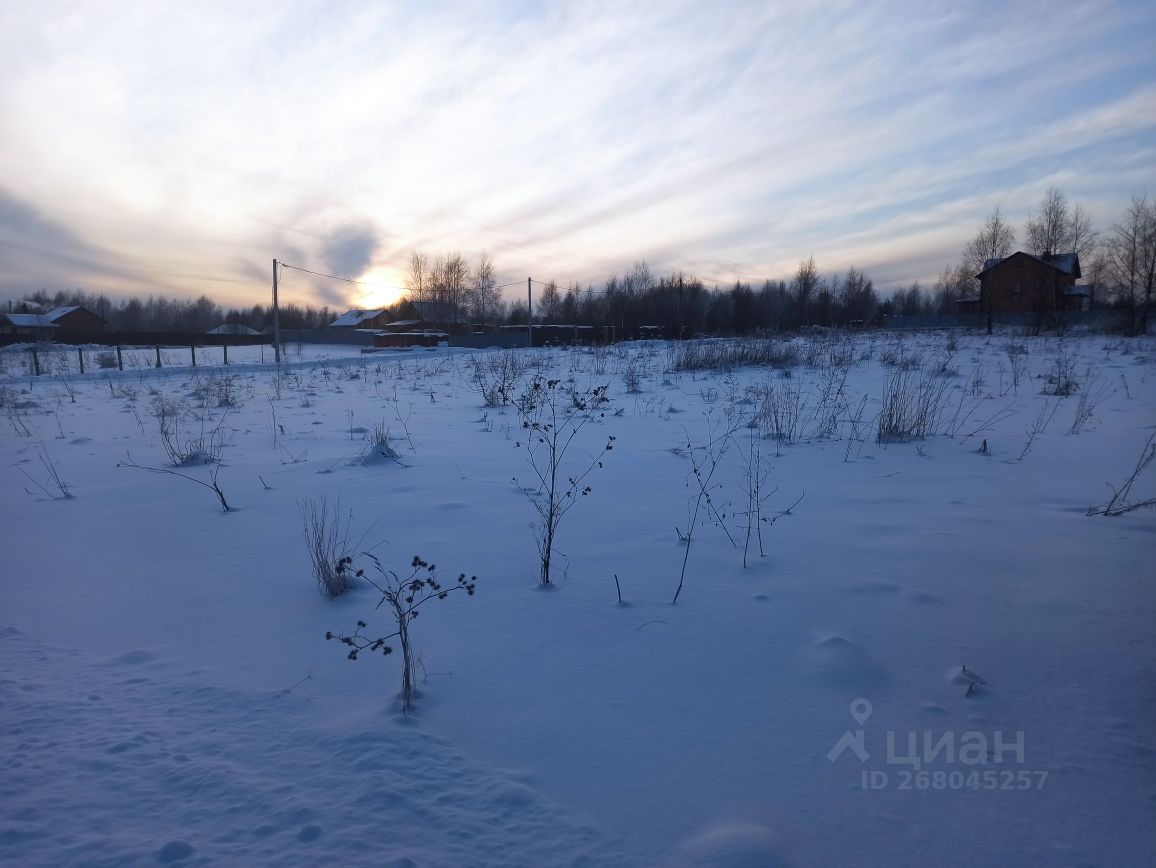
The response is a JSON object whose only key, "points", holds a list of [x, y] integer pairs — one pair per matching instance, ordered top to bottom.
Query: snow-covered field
{"points": [[940, 659]]}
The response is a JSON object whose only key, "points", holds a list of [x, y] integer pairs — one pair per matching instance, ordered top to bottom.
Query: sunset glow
{"points": [[179, 149]]}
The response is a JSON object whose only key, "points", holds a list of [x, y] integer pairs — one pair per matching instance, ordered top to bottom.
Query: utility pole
{"points": [[529, 316], [276, 321]]}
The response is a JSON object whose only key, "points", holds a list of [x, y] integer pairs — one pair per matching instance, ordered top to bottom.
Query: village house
{"points": [[1021, 283], [362, 319], [76, 320], [33, 326], [233, 328]]}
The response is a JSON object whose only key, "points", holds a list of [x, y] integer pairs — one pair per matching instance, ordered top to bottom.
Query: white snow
{"points": [[167, 693]]}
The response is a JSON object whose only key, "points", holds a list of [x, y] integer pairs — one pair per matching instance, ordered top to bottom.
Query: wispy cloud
{"points": [[568, 139]]}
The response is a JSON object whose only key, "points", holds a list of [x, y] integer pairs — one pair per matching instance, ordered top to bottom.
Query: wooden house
{"points": [[1022, 283], [76, 320]]}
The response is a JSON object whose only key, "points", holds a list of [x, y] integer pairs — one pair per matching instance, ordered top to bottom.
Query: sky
{"points": [[178, 149]]}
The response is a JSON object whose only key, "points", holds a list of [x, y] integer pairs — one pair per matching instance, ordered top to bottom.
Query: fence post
{"points": [[225, 347], [158, 349], [193, 354], [80, 355], [119, 359], [35, 362]]}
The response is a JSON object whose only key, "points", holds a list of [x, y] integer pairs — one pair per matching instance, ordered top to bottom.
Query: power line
{"points": [[345, 279], [373, 285]]}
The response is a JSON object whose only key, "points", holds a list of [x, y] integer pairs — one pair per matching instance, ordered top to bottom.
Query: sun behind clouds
{"points": [[378, 287]]}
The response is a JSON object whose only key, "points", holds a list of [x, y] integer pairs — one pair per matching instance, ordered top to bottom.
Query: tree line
{"points": [[1120, 263]]}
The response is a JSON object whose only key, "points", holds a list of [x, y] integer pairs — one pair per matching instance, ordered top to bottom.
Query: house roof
{"points": [[1068, 263], [57, 312], [355, 317], [29, 320], [232, 329]]}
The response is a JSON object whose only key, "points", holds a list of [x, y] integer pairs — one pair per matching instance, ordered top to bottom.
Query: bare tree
{"points": [[1056, 228], [1047, 229], [1082, 238], [993, 241], [1130, 260], [1148, 266], [417, 279], [638, 279], [450, 280], [955, 283], [803, 288], [484, 294], [856, 296], [912, 301], [549, 303]]}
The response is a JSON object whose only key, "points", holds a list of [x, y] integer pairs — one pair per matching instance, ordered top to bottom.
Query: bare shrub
{"points": [[726, 354], [841, 355], [1017, 358], [632, 373], [496, 375], [1062, 381], [225, 391], [912, 405], [831, 407], [779, 409], [856, 426], [378, 446], [201, 448], [327, 541]]}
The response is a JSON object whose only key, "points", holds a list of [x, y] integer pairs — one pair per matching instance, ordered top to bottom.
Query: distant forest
{"points": [[1120, 264], [680, 304]]}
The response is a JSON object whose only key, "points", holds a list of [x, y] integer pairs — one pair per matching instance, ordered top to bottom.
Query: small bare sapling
{"points": [[552, 417], [1039, 424], [702, 472], [755, 477], [211, 484], [54, 487], [1120, 504], [405, 596]]}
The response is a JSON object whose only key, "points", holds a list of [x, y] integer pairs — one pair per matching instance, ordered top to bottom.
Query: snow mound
{"points": [[837, 662], [731, 846]]}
